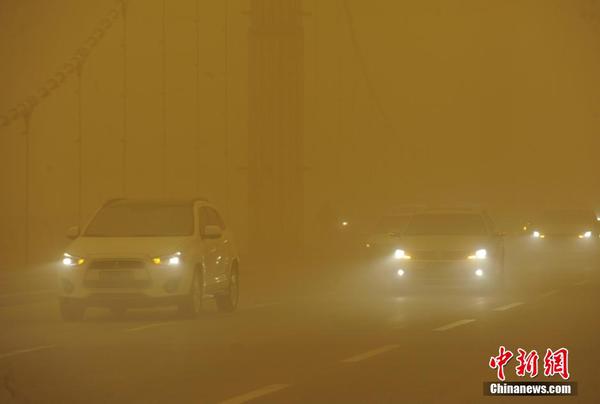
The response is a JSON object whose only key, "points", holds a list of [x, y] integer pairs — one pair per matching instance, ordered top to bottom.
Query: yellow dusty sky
{"points": [[405, 102]]}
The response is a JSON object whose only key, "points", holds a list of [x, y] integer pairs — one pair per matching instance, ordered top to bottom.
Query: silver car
{"points": [[457, 247]]}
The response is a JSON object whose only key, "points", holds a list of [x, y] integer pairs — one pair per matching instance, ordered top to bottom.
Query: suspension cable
{"points": [[68, 69]]}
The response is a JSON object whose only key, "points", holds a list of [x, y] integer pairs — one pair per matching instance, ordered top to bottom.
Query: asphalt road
{"points": [[327, 335]]}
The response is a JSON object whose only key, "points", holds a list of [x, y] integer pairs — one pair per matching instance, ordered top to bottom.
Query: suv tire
{"points": [[228, 301], [191, 305]]}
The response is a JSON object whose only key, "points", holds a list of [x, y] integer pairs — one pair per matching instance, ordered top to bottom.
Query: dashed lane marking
{"points": [[549, 293], [508, 306], [454, 324], [145, 327], [26, 350], [370, 354]]}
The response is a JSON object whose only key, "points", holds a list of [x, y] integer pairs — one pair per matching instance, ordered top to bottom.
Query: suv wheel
{"points": [[228, 302], [192, 303], [71, 311]]}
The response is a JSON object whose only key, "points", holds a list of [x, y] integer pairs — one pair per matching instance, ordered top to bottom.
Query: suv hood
{"points": [[123, 247]]}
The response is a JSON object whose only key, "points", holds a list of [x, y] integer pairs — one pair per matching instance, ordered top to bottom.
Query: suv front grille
{"points": [[118, 283]]}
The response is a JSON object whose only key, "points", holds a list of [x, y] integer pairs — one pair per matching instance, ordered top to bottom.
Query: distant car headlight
{"points": [[537, 234], [587, 234], [480, 254], [401, 255], [169, 260], [72, 261]]}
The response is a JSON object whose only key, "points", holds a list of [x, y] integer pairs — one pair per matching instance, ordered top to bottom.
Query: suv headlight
{"points": [[480, 254], [401, 255], [170, 260], [72, 261]]}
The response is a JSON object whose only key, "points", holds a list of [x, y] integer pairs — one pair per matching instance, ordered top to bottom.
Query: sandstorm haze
{"points": [[412, 102], [299, 201]]}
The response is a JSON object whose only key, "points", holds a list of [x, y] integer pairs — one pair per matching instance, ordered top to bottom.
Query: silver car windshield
{"points": [[566, 218], [142, 220], [446, 225]]}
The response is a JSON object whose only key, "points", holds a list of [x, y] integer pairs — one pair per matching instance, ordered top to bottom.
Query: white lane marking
{"points": [[580, 283], [33, 292], [549, 293], [508, 306], [454, 324], [145, 327], [22, 351], [370, 354], [243, 398]]}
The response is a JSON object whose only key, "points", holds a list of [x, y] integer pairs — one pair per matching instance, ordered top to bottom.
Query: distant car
{"points": [[556, 237], [449, 247], [140, 253]]}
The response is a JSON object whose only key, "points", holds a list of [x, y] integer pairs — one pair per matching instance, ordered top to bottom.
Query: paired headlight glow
{"points": [[537, 234], [587, 234], [480, 254], [401, 255], [170, 260], [72, 261]]}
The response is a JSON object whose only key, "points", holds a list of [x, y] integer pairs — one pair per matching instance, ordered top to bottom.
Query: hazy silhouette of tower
{"points": [[275, 127]]}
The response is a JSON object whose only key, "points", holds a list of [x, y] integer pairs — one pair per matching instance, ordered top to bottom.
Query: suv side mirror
{"points": [[212, 231], [73, 232]]}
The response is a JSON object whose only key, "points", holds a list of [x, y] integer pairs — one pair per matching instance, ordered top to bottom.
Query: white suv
{"points": [[144, 252]]}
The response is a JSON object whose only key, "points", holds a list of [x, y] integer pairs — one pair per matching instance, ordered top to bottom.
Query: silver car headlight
{"points": [[400, 254], [480, 254]]}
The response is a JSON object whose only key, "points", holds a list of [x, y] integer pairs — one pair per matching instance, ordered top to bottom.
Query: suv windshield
{"points": [[142, 219], [446, 225]]}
